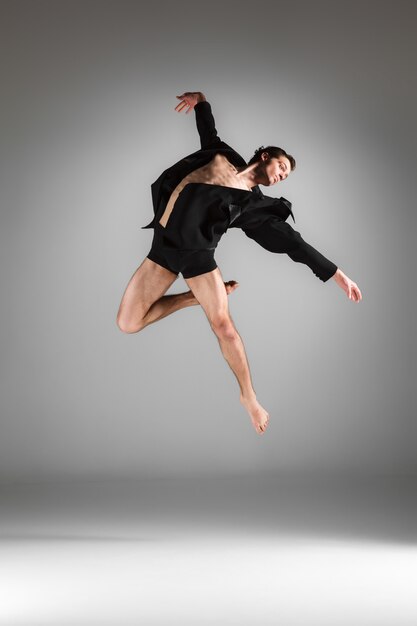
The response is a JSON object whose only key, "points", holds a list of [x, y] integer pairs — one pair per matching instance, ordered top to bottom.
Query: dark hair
{"points": [[274, 152]]}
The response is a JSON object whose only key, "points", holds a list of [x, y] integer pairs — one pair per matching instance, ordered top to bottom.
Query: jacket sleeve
{"points": [[205, 124], [276, 235]]}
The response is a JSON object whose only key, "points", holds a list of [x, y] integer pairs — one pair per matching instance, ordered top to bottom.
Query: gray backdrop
{"points": [[88, 123]]}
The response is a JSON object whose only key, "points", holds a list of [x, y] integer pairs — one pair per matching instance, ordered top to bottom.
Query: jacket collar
{"points": [[287, 204]]}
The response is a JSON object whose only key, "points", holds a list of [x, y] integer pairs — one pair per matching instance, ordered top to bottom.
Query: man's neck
{"points": [[249, 175]]}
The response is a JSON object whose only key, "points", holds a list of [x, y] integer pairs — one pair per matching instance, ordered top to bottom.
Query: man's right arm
{"points": [[203, 115], [206, 124]]}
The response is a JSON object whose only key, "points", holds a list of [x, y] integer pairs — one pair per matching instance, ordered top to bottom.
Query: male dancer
{"points": [[144, 301]]}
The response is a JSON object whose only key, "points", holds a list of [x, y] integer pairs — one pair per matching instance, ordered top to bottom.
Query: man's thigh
{"points": [[149, 283], [210, 291]]}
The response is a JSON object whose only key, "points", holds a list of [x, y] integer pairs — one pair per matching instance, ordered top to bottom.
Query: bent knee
{"points": [[128, 326], [223, 326]]}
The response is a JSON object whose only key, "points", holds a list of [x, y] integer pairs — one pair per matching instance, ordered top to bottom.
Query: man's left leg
{"points": [[209, 290]]}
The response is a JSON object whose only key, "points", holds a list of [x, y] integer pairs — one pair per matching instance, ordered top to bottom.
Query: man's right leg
{"points": [[208, 289], [143, 301]]}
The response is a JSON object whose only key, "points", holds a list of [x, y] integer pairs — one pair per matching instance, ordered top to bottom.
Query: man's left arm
{"points": [[277, 236]]}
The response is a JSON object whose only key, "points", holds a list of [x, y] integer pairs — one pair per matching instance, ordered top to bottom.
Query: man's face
{"points": [[276, 169]]}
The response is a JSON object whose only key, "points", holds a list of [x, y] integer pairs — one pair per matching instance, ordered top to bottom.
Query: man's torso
{"points": [[219, 171]]}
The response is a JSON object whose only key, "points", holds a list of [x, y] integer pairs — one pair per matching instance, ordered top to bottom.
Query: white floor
{"points": [[241, 551]]}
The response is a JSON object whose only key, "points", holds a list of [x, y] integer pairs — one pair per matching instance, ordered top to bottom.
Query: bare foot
{"points": [[231, 285], [258, 415]]}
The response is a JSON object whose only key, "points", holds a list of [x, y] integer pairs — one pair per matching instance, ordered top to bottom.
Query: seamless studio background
{"points": [[88, 123], [133, 486]]}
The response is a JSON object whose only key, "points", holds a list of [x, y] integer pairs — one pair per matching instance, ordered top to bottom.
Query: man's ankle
{"points": [[190, 298], [248, 397]]}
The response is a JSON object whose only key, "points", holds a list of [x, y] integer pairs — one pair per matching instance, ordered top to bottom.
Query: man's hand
{"points": [[189, 99], [352, 290]]}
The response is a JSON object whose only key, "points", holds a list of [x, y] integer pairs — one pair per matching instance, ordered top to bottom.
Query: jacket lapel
{"points": [[169, 179]]}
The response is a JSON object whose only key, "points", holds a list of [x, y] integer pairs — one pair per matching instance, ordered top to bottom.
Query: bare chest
{"points": [[219, 171]]}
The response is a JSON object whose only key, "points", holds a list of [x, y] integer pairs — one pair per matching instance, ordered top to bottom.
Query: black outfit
{"points": [[203, 212], [189, 262]]}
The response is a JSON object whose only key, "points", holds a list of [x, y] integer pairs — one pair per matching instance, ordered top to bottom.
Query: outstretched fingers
{"points": [[188, 99], [181, 106]]}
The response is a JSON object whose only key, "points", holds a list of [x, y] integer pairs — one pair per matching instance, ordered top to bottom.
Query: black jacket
{"points": [[261, 217]]}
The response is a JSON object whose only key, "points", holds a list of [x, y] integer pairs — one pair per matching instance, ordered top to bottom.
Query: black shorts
{"points": [[189, 262]]}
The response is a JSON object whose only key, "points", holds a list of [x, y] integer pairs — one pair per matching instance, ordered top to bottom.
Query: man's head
{"points": [[273, 164]]}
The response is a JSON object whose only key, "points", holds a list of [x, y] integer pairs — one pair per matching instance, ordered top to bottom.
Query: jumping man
{"points": [[195, 201]]}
